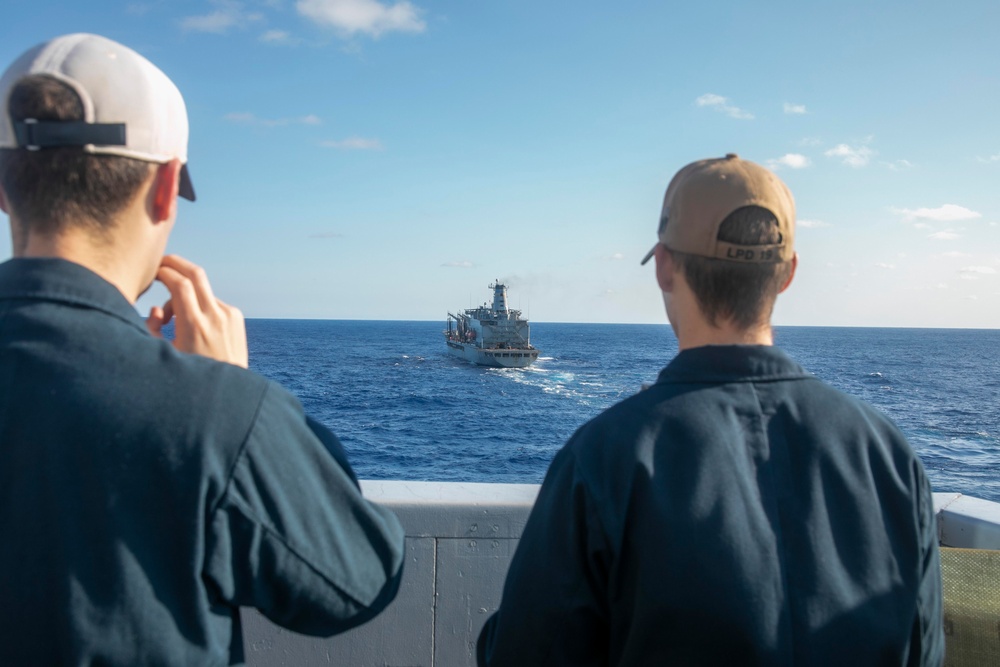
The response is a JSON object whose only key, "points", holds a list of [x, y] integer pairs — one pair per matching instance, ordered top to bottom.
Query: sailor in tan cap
{"points": [[739, 511]]}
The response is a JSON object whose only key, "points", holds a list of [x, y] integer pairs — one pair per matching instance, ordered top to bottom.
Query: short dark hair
{"points": [[51, 187], [741, 292]]}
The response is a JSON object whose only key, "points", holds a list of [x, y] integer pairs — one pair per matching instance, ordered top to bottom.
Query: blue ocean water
{"points": [[405, 409]]}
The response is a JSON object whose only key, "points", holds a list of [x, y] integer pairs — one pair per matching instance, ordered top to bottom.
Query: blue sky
{"points": [[359, 159]]}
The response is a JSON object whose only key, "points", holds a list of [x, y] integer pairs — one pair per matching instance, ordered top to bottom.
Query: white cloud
{"points": [[138, 8], [230, 14], [370, 17], [218, 22], [278, 37], [722, 105], [795, 108], [245, 118], [810, 142], [354, 144], [852, 156], [992, 158], [790, 160], [898, 165], [945, 213], [812, 224], [922, 225], [946, 235], [956, 254], [617, 256], [459, 265], [888, 267], [974, 272]]}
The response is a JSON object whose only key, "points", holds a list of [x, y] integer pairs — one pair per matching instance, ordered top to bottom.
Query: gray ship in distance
{"points": [[491, 335]]}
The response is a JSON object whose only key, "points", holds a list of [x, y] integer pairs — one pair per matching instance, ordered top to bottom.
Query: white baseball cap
{"points": [[130, 107]]}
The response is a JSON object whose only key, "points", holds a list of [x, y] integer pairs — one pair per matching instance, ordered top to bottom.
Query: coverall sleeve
{"points": [[292, 535], [554, 609], [929, 625]]}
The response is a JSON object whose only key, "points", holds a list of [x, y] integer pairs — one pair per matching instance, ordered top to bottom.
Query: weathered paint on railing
{"points": [[966, 522], [459, 541]]}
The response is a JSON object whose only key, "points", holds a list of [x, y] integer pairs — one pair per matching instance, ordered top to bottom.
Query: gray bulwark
{"points": [[966, 522], [459, 541]]}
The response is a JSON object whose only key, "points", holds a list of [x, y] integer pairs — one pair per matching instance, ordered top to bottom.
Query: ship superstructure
{"points": [[491, 335]]}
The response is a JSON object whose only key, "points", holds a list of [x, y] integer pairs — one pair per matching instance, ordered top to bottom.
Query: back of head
{"points": [[82, 118], [50, 189], [730, 226]]}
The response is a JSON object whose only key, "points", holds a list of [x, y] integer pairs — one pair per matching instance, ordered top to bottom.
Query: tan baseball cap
{"points": [[130, 107], [704, 193]]}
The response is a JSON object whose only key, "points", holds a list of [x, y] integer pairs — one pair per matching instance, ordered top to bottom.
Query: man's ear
{"points": [[164, 190], [665, 268], [791, 274]]}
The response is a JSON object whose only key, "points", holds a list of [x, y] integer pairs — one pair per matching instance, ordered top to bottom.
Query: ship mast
{"points": [[499, 296]]}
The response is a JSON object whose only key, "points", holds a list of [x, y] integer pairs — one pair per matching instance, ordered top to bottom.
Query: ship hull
{"points": [[496, 358]]}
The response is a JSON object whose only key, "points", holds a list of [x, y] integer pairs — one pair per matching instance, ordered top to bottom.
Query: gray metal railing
{"points": [[459, 541]]}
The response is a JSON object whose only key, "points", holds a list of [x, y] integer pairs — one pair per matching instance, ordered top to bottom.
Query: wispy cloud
{"points": [[138, 8], [228, 14], [370, 17], [278, 38], [723, 105], [795, 108], [245, 118], [807, 142], [354, 144], [853, 156], [992, 158], [790, 160], [898, 165], [945, 213], [812, 224], [326, 235], [945, 235], [955, 254], [617, 256], [465, 264], [887, 267], [974, 272]]}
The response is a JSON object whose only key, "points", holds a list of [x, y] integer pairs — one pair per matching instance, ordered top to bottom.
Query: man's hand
{"points": [[202, 324]]}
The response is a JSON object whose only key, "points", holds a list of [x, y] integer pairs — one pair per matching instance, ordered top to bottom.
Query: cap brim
{"points": [[186, 188], [649, 254]]}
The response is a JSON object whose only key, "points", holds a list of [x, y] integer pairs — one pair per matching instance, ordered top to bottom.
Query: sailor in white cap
{"points": [[148, 488]]}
